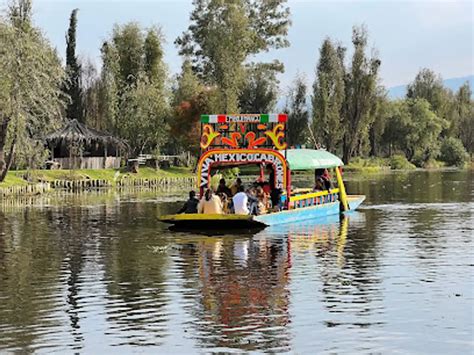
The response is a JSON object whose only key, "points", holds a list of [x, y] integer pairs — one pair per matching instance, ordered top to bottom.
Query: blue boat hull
{"points": [[306, 213]]}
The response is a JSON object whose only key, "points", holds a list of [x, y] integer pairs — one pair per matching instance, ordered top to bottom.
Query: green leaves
{"points": [[223, 34]]}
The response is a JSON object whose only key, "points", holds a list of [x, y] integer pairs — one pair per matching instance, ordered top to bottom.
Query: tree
{"points": [[223, 34], [153, 57], [30, 83], [72, 86], [187, 86], [429, 86], [133, 87], [360, 88], [259, 94], [328, 96], [91, 98], [188, 104], [379, 111], [144, 112], [465, 113], [298, 114], [453, 152]]}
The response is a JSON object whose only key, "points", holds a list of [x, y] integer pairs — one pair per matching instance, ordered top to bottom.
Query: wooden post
{"points": [[105, 156], [342, 191]]}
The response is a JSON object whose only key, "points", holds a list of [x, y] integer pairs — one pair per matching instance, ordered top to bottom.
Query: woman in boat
{"points": [[225, 202], [210, 203], [263, 203]]}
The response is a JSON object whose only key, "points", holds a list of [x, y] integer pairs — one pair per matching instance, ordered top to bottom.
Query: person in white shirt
{"points": [[240, 201]]}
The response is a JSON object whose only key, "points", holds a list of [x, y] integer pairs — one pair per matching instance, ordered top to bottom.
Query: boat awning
{"points": [[310, 159]]}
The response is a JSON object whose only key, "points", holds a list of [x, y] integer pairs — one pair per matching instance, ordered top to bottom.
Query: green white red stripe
{"points": [[247, 118]]}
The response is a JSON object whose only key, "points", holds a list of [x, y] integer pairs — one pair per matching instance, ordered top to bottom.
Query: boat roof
{"points": [[310, 159]]}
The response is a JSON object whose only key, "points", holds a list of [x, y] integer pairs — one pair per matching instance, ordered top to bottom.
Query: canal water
{"points": [[98, 273]]}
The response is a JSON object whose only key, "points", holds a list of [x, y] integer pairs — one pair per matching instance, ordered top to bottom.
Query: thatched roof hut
{"points": [[94, 148]]}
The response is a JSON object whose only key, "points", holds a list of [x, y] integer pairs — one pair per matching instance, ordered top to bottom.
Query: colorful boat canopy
{"points": [[245, 118], [310, 159]]}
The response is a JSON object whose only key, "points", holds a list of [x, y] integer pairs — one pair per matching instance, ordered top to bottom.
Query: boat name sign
{"points": [[243, 158]]}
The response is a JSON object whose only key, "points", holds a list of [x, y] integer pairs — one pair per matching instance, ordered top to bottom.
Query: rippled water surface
{"points": [[98, 273]]}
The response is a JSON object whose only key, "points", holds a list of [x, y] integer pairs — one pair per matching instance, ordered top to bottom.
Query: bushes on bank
{"points": [[453, 152], [400, 162]]}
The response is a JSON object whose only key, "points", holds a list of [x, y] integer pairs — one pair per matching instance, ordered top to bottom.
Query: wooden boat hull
{"points": [[202, 221]]}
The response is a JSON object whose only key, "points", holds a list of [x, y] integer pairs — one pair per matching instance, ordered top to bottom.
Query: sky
{"points": [[408, 35]]}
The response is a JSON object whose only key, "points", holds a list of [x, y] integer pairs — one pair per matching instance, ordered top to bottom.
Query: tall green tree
{"points": [[224, 33], [73, 71], [134, 73], [30, 83], [429, 86], [360, 89], [260, 92], [328, 96], [188, 104], [380, 110], [298, 114], [465, 117], [413, 128]]}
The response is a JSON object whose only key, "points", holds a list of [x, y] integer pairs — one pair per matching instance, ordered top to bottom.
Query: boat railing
{"points": [[314, 198]]}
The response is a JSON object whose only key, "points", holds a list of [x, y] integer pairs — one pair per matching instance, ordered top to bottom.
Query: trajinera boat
{"points": [[260, 139]]}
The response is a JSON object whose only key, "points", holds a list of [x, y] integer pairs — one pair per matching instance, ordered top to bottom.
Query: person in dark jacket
{"points": [[223, 189], [190, 206]]}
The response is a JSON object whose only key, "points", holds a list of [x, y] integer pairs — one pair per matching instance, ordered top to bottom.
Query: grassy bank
{"points": [[21, 178]]}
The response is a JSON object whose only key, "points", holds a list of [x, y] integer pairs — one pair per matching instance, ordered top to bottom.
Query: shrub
{"points": [[453, 152], [400, 162]]}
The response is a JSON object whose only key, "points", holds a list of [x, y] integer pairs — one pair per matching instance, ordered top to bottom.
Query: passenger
{"points": [[271, 176], [324, 176], [319, 185], [222, 188], [266, 188], [234, 189], [275, 197], [240, 201], [252, 201], [225, 202], [210, 203], [263, 203], [190, 206]]}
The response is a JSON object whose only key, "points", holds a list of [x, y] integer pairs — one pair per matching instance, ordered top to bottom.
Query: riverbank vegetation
{"points": [[134, 97], [112, 176]]}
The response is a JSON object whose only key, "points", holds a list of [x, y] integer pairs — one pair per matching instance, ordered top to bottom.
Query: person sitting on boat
{"points": [[324, 176], [319, 185], [222, 188], [234, 189], [240, 201], [252, 201], [225, 202], [210, 203], [263, 204], [190, 206]]}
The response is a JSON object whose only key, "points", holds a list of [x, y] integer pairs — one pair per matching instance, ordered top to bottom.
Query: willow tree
{"points": [[224, 33], [30, 83], [360, 83], [328, 96]]}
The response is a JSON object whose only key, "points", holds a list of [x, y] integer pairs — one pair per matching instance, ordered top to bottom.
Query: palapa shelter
{"points": [[77, 146]]}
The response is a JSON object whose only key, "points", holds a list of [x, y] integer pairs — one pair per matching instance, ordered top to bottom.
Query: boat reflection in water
{"points": [[243, 283]]}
